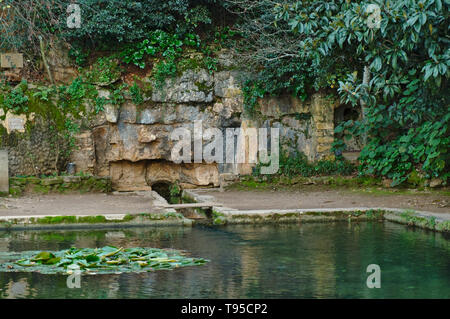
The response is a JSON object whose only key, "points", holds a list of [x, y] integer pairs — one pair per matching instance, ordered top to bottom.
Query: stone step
{"points": [[191, 205]]}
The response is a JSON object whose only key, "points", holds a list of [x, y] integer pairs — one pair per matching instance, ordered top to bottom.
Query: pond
{"points": [[325, 260]]}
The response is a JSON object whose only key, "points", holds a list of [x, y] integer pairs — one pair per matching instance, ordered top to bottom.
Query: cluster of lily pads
{"points": [[108, 259]]}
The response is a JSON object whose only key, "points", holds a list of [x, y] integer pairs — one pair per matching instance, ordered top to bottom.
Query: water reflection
{"points": [[285, 261]]}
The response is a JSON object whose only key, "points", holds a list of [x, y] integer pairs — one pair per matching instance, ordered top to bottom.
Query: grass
{"points": [[44, 185], [362, 185], [99, 219]]}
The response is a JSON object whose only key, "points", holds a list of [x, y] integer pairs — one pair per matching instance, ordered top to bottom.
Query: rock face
{"points": [[60, 64], [191, 87], [132, 143], [35, 150]]}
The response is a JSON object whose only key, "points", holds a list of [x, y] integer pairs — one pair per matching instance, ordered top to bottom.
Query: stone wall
{"points": [[131, 143], [34, 148]]}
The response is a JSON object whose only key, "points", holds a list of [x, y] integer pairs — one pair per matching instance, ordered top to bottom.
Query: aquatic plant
{"points": [[108, 259]]}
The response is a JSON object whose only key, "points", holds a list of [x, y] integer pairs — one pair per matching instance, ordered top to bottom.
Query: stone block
{"points": [[11, 60], [279, 106], [325, 126], [325, 139], [323, 148], [4, 179], [71, 179], [52, 181]]}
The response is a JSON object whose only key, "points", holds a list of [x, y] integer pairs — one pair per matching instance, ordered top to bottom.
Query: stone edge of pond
{"points": [[225, 215], [93, 221]]}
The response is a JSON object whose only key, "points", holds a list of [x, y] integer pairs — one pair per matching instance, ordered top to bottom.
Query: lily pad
{"points": [[106, 260]]}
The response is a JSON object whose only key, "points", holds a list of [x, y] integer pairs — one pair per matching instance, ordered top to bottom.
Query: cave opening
{"points": [[163, 189]]}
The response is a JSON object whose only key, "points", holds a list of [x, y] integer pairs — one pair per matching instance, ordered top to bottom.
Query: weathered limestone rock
{"points": [[226, 59], [59, 62], [64, 74], [12, 75], [227, 83], [191, 86], [231, 106], [276, 107], [322, 111], [111, 113], [128, 113], [145, 135], [100, 136], [132, 142], [135, 143], [84, 156], [162, 171], [186, 174], [200, 174], [127, 176], [4, 178], [71, 179], [52, 181], [387, 182], [435, 182]]}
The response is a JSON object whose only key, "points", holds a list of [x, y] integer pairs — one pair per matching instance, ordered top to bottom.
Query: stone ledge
{"points": [[19, 185], [223, 215], [422, 219], [89, 221]]}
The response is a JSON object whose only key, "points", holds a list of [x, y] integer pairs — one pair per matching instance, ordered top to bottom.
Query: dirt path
{"points": [[293, 199], [133, 203], [76, 204]]}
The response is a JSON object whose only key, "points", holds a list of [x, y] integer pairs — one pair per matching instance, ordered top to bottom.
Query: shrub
{"points": [[296, 164]]}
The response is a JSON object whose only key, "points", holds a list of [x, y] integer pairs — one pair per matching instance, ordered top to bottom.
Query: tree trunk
{"points": [[44, 60], [366, 79]]}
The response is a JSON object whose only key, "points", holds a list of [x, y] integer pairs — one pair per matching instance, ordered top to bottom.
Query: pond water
{"points": [[282, 261]]}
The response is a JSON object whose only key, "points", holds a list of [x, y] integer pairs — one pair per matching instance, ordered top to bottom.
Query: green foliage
{"points": [[197, 16], [109, 22], [223, 36], [168, 47], [166, 51], [79, 55], [211, 64], [164, 69], [104, 71], [277, 78], [252, 91], [44, 93], [136, 94], [117, 96], [70, 97], [16, 100], [100, 103], [62, 110], [406, 116], [70, 130], [425, 148], [296, 164], [52, 183], [174, 190], [108, 259]]}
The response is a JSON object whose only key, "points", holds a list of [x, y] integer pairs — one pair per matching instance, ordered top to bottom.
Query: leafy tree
{"points": [[397, 60]]}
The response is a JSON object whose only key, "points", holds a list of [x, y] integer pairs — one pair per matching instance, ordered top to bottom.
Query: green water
{"points": [[287, 261]]}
